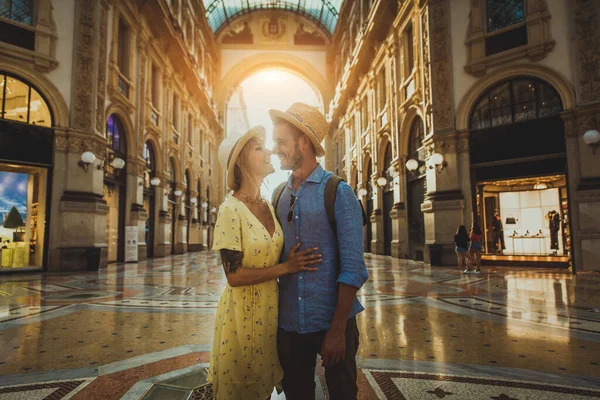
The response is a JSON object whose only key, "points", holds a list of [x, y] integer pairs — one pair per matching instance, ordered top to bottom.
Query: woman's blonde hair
{"points": [[240, 170]]}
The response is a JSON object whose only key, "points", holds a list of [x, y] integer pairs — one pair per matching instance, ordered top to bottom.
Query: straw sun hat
{"points": [[308, 119], [231, 147]]}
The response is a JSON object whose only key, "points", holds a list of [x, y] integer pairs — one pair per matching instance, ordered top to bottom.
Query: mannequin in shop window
{"points": [[553, 219], [498, 231]]}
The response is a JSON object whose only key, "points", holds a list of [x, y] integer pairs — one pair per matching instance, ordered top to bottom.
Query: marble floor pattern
{"points": [[143, 331]]}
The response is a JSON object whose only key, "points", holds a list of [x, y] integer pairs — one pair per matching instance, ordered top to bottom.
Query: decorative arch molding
{"points": [[291, 15], [273, 60], [554, 79], [60, 111], [407, 122], [130, 137], [383, 143], [158, 154], [366, 161], [176, 168]]}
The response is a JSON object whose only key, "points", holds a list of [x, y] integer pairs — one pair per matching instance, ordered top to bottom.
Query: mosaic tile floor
{"points": [[143, 331]]}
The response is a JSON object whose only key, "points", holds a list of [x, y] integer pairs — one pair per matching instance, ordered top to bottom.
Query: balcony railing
{"points": [[123, 85], [154, 116]]}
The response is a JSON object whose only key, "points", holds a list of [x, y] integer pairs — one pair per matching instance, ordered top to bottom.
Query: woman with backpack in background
{"points": [[461, 239]]}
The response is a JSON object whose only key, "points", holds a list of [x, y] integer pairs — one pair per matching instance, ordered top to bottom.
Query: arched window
{"points": [[17, 10], [515, 101], [20, 102], [116, 135], [416, 150], [387, 162], [150, 164]]}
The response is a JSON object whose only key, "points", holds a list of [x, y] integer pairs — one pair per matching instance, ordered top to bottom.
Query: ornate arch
{"points": [[273, 60], [553, 78], [56, 102], [407, 122], [130, 137], [383, 143], [158, 155], [176, 168]]}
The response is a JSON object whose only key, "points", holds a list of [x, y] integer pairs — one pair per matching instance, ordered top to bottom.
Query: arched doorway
{"points": [[26, 151], [115, 178], [415, 188], [520, 194], [150, 196], [172, 199], [388, 200], [369, 210]]}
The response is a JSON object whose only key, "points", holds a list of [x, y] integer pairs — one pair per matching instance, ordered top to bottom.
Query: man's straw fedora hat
{"points": [[308, 119], [231, 147]]}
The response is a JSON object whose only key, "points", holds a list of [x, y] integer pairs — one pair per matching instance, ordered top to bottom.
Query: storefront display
{"points": [[21, 210], [526, 218]]}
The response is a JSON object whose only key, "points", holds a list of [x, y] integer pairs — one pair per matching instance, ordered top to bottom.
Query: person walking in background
{"points": [[498, 231], [461, 239], [476, 246]]}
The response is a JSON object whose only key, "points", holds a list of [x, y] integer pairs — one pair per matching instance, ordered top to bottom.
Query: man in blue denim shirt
{"points": [[317, 309]]}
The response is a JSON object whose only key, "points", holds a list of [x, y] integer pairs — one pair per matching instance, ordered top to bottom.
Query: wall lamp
{"points": [[592, 139], [87, 158], [438, 162], [155, 181], [382, 181], [362, 192], [178, 193], [194, 200], [204, 205]]}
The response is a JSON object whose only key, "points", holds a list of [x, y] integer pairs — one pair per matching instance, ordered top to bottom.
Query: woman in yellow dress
{"points": [[244, 363]]}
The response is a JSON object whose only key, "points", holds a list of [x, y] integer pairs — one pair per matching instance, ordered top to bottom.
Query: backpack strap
{"points": [[330, 195], [276, 196]]}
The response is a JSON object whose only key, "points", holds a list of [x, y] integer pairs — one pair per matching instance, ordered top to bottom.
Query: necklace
{"points": [[248, 199]]}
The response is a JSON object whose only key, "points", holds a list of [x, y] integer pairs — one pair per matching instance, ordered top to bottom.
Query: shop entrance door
{"points": [[388, 202], [149, 203], [416, 219], [369, 226]]}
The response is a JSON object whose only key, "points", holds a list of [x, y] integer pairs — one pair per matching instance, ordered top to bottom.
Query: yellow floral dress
{"points": [[244, 363]]}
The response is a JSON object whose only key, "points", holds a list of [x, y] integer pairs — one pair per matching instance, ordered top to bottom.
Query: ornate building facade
{"points": [[447, 113], [110, 125]]}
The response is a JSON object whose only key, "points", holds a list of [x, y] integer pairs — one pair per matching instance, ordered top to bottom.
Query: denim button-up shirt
{"points": [[307, 300]]}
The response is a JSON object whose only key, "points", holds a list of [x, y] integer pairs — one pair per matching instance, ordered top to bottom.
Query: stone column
{"points": [[444, 203], [180, 222], [78, 235], [163, 239], [195, 242]]}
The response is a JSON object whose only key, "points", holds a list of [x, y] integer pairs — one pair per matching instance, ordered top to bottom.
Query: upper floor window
{"points": [[17, 10], [501, 14], [123, 50], [409, 52], [155, 86], [381, 90], [515, 101], [21, 102], [364, 112], [175, 116], [190, 128], [416, 150]]}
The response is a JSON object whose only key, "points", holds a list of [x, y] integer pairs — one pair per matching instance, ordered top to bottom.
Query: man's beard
{"points": [[295, 160]]}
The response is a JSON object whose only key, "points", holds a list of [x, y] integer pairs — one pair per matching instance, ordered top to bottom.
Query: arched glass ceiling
{"points": [[221, 12]]}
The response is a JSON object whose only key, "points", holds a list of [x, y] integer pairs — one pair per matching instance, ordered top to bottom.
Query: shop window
{"points": [[20, 11], [502, 14], [410, 53], [155, 94], [21, 102], [513, 102], [364, 111]]}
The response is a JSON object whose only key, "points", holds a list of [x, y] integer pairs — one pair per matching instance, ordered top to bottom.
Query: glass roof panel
{"points": [[325, 12]]}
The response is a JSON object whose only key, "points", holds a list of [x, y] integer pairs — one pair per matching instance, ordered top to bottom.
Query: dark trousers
{"points": [[298, 356]]}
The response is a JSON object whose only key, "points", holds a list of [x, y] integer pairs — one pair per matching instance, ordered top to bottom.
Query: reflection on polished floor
{"points": [[144, 331]]}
